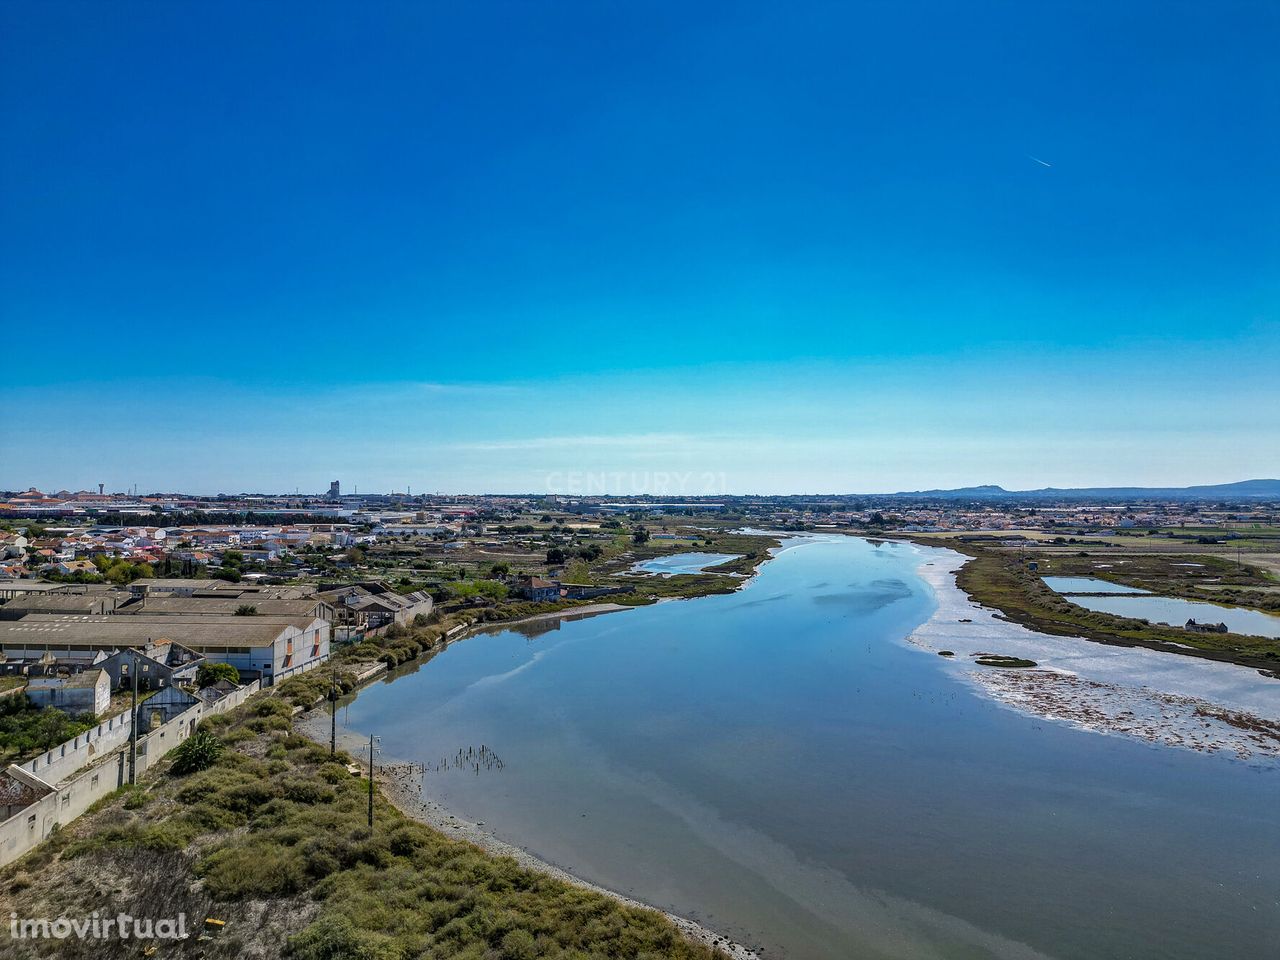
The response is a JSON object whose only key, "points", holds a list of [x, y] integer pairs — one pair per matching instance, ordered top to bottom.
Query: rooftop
{"points": [[141, 630]]}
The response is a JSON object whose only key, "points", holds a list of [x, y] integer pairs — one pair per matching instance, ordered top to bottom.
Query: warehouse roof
{"points": [[140, 630]]}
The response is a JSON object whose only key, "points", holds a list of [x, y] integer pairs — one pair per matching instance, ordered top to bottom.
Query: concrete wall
{"points": [[89, 747], [27, 828]]}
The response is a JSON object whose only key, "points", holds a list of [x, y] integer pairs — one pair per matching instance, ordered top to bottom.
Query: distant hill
{"points": [[1244, 489]]}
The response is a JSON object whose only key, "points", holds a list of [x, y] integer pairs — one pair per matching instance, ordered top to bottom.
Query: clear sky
{"points": [[639, 246]]}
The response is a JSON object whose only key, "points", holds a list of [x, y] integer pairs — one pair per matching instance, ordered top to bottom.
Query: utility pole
{"points": [[333, 710], [133, 720], [372, 738]]}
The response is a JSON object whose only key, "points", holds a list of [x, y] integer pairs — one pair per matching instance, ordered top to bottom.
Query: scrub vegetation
{"points": [[271, 837]]}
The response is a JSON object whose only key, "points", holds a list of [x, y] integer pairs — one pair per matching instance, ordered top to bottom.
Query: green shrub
{"points": [[198, 752], [301, 790], [245, 797], [136, 800], [254, 871], [336, 938], [519, 945]]}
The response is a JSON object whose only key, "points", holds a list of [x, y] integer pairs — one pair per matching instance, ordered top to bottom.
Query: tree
{"points": [[639, 535], [555, 556], [246, 610], [211, 673], [50, 727]]}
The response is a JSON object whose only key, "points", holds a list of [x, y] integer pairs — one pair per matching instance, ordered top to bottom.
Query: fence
{"points": [[90, 746], [65, 801]]}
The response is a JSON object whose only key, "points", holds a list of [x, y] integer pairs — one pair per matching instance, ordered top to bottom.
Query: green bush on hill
{"points": [[198, 752]]}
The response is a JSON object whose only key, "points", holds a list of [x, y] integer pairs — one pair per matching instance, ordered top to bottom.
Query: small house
{"points": [[536, 588], [88, 691]]}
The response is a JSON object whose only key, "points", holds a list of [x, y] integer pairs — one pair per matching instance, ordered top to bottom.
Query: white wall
{"points": [[89, 747], [28, 827]]}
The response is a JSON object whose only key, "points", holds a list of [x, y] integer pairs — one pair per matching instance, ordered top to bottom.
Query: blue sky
{"points": [[639, 246]]}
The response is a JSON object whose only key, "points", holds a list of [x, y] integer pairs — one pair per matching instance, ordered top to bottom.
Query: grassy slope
{"points": [[273, 840]]}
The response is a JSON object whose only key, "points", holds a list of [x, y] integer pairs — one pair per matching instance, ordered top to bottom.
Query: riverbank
{"points": [[1004, 578], [1156, 696], [780, 767], [399, 785], [267, 838]]}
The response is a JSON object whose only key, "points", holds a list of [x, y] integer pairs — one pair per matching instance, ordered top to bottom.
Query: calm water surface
{"points": [[684, 563], [1088, 585], [1173, 610], [777, 764]]}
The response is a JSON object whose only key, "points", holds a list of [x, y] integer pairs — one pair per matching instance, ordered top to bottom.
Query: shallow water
{"points": [[683, 563], [1070, 585], [1177, 612], [779, 765]]}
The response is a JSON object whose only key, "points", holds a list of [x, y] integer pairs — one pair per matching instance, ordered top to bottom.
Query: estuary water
{"points": [[683, 563], [1069, 585], [1130, 602], [1176, 611], [778, 764]]}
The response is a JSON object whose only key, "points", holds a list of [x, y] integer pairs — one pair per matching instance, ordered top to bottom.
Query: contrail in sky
{"points": [[1039, 161]]}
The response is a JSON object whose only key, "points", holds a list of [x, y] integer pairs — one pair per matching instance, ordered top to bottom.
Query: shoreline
{"points": [[1156, 636], [1136, 693], [1159, 697], [395, 781], [396, 787]]}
